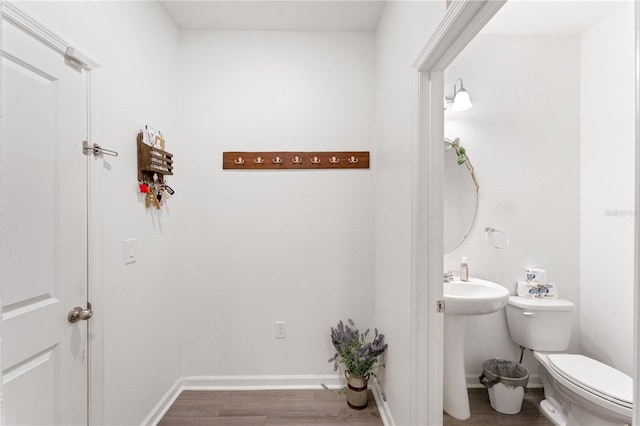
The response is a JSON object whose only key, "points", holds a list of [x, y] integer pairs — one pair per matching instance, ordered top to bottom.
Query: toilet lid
{"points": [[541, 304], [594, 376]]}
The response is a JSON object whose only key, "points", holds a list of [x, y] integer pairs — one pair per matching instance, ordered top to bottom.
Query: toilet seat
{"points": [[594, 377]]}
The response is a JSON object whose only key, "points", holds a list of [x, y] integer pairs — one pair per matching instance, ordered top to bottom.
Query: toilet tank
{"points": [[540, 324]]}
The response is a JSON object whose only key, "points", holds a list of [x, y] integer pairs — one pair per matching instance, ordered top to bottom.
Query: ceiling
{"points": [[301, 15], [516, 17], [549, 17]]}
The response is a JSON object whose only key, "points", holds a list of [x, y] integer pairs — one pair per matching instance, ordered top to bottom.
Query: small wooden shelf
{"points": [[152, 160], [271, 160]]}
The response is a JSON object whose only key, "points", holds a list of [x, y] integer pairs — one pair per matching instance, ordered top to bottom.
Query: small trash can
{"points": [[506, 381]]}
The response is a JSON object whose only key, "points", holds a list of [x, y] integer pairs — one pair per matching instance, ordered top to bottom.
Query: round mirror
{"points": [[460, 196]]}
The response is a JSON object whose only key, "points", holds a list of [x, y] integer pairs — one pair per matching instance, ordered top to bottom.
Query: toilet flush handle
{"points": [[529, 314]]}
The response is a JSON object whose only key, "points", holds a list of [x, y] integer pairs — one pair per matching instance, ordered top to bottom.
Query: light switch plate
{"points": [[130, 251]]}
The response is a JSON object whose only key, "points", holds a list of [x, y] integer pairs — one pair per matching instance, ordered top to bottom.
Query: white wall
{"points": [[404, 29], [136, 45], [522, 136], [607, 193], [266, 246], [256, 247], [235, 251]]}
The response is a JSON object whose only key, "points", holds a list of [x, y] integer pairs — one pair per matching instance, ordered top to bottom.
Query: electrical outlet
{"points": [[281, 330]]}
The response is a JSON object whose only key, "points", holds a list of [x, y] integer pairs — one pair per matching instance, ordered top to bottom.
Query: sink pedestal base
{"points": [[463, 298], [455, 396]]}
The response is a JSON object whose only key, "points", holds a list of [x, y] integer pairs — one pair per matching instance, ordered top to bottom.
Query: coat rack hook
{"points": [[258, 160], [277, 160], [296, 160], [315, 160], [334, 160], [353, 160], [239, 161]]}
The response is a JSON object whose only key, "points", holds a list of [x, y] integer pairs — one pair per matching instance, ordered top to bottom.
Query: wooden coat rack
{"points": [[264, 160]]}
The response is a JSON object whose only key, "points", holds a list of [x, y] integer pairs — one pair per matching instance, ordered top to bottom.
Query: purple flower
{"points": [[352, 349]]}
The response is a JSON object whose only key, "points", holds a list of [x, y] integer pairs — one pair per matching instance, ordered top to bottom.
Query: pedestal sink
{"points": [[462, 298]]}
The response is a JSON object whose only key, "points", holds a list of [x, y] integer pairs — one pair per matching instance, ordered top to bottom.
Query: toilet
{"points": [[578, 390]]}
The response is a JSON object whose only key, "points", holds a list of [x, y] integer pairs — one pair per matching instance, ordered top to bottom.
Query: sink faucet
{"points": [[449, 276]]}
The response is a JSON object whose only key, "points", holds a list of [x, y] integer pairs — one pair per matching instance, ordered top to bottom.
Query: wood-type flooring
{"points": [[268, 408], [322, 408], [483, 415]]}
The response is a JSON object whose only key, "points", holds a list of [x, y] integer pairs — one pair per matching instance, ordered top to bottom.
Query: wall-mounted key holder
{"points": [[152, 160], [295, 160], [153, 165]]}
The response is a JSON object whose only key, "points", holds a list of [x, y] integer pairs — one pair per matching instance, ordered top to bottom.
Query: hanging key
{"points": [[154, 198], [149, 199]]}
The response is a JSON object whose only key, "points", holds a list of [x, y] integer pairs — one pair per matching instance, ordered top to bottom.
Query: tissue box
{"points": [[537, 275], [527, 289], [535, 290], [548, 291]]}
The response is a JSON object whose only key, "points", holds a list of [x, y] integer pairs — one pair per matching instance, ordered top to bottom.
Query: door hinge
{"points": [[96, 149], [440, 305]]}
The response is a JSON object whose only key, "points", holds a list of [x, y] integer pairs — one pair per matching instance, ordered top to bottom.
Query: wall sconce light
{"points": [[460, 100]]}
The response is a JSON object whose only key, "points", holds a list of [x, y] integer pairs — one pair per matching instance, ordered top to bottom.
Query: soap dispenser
{"points": [[464, 269]]}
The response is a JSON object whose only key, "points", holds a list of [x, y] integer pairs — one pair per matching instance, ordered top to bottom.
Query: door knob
{"points": [[76, 314]]}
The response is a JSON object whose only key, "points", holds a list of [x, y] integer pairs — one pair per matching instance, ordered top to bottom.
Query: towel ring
{"points": [[497, 241]]}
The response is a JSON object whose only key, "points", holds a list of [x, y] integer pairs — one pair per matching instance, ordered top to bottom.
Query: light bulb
{"points": [[461, 102]]}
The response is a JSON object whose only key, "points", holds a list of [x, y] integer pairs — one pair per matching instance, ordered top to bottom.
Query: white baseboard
{"points": [[333, 381], [260, 382], [474, 382], [381, 402], [163, 405]]}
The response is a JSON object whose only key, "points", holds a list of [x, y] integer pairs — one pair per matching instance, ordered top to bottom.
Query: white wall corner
{"points": [[263, 382], [164, 404], [383, 407]]}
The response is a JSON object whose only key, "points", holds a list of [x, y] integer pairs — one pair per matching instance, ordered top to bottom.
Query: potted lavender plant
{"points": [[359, 358]]}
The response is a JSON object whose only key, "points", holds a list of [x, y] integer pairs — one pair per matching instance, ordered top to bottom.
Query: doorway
{"points": [[458, 30]]}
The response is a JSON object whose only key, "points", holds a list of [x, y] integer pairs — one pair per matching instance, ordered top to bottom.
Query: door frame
{"points": [[462, 22], [636, 278], [95, 373]]}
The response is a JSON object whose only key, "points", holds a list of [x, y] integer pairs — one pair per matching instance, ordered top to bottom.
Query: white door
{"points": [[44, 234]]}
